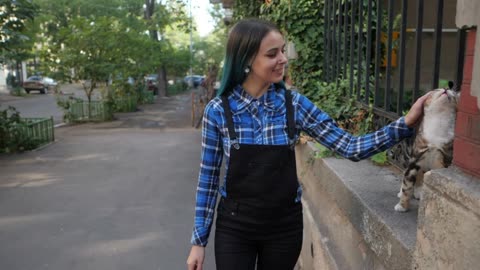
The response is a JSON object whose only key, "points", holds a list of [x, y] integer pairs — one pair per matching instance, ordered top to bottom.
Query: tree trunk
{"points": [[149, 10], [19, 71], [162, 72], [162, 82], [89, 97]]}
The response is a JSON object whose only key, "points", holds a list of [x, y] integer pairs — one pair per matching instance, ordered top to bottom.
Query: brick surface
{"points": [[470, 45], [467, 69], [467, 102], [461, 124], [468, 127], [475, 128], [466, 152], [467, 156]]}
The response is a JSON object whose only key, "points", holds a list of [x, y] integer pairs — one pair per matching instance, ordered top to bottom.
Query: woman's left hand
{"points": [[416, 111]]}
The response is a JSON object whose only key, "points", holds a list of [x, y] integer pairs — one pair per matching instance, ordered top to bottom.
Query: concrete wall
{"points": [[349, 218], [349, 221], [448, 235]]}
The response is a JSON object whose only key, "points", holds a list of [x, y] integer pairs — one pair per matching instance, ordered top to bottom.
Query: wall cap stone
{"points": [[456, 185]]}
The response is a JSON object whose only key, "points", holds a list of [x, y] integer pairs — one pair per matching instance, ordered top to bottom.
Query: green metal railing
{"points": [[126, 104], [93, 111], [40, 130], [26, 134]]}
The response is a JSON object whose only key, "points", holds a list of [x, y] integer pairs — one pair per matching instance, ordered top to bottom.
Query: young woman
{"points": [[255, 122]]}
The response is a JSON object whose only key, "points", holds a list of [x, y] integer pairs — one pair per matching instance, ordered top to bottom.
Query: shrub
{"points": [[12, 139]]}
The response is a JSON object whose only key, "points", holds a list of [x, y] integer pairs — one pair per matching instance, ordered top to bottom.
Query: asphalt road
{"points": [[35, 105], [42, 105], [117, 195]]}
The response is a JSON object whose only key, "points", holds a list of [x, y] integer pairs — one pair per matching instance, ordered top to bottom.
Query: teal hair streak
{"points": [[232, 75]]}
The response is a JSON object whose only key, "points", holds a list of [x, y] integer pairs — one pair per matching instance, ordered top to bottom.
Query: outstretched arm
{"points": [[323, 128]]}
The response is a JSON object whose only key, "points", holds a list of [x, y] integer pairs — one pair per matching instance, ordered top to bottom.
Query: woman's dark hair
{"points": [[243, 44]]}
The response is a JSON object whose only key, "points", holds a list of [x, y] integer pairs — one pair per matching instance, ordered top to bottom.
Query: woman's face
{"points": [[269, 63]]}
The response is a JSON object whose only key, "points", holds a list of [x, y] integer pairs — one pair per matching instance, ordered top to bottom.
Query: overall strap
{"points": [[290, 117], [229, 119]]}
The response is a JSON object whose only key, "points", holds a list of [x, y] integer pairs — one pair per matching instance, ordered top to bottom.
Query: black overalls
{"points": [[260, 221]]}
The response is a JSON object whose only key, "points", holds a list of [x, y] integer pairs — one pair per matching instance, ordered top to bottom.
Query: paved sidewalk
{"points": [[8, 98], [116, 195]]}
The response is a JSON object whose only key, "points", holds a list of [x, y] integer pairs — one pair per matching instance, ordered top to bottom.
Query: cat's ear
{"points": [[451, 85]]}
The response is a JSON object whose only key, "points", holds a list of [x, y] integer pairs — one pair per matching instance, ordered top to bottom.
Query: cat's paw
{"points": [[417, 193], [399, 194], [399, 208]]}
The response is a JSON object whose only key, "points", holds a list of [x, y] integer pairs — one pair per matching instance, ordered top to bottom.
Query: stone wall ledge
{"points": [[457, 186], [352, 207]]}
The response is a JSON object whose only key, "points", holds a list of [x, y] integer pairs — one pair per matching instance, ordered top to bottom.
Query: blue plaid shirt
{"points": [[263, 121]]}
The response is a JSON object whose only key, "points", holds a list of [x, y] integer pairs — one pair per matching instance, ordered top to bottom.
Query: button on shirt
{"points": [[263, 121]]}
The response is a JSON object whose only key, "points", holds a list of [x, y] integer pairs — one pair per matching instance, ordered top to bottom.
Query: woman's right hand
{"points": [[196, 257]]}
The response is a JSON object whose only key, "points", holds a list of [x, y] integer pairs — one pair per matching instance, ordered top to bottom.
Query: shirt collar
{"points": [[272, 100]]}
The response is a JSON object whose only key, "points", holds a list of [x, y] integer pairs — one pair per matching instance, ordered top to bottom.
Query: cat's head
{"points": [[442, 99]]}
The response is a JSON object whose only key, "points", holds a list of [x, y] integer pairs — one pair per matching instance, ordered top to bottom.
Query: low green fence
{"points": [[126, 104], [79, 111], [93, 111], [40, 130], [27, 134]]}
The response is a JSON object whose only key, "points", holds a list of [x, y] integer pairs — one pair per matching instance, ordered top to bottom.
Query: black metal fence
{"points": [[365, 42]]}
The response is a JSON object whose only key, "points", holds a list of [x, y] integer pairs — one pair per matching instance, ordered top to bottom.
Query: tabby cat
{"points": [[433, 145]]}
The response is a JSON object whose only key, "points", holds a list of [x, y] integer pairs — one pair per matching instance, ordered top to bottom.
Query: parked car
{"points": [[194, 80], [151, 81], [49, 82], [35, 83]]}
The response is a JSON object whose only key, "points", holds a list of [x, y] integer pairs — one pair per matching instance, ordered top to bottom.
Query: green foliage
{"points": [[246, 9], [13, 19], [302, 22], [117, 30], [97, 40], [91, 48], [207, 51], [442, 83], [176, 88], [18, 91], [120, 95], [146, 97], [331, 98], [65, 104], [126, 104], [12, 137], [322, 151], [380, 158]]}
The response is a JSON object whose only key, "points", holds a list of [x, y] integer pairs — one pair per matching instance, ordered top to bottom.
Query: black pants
{"points": [[247, 236]]}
